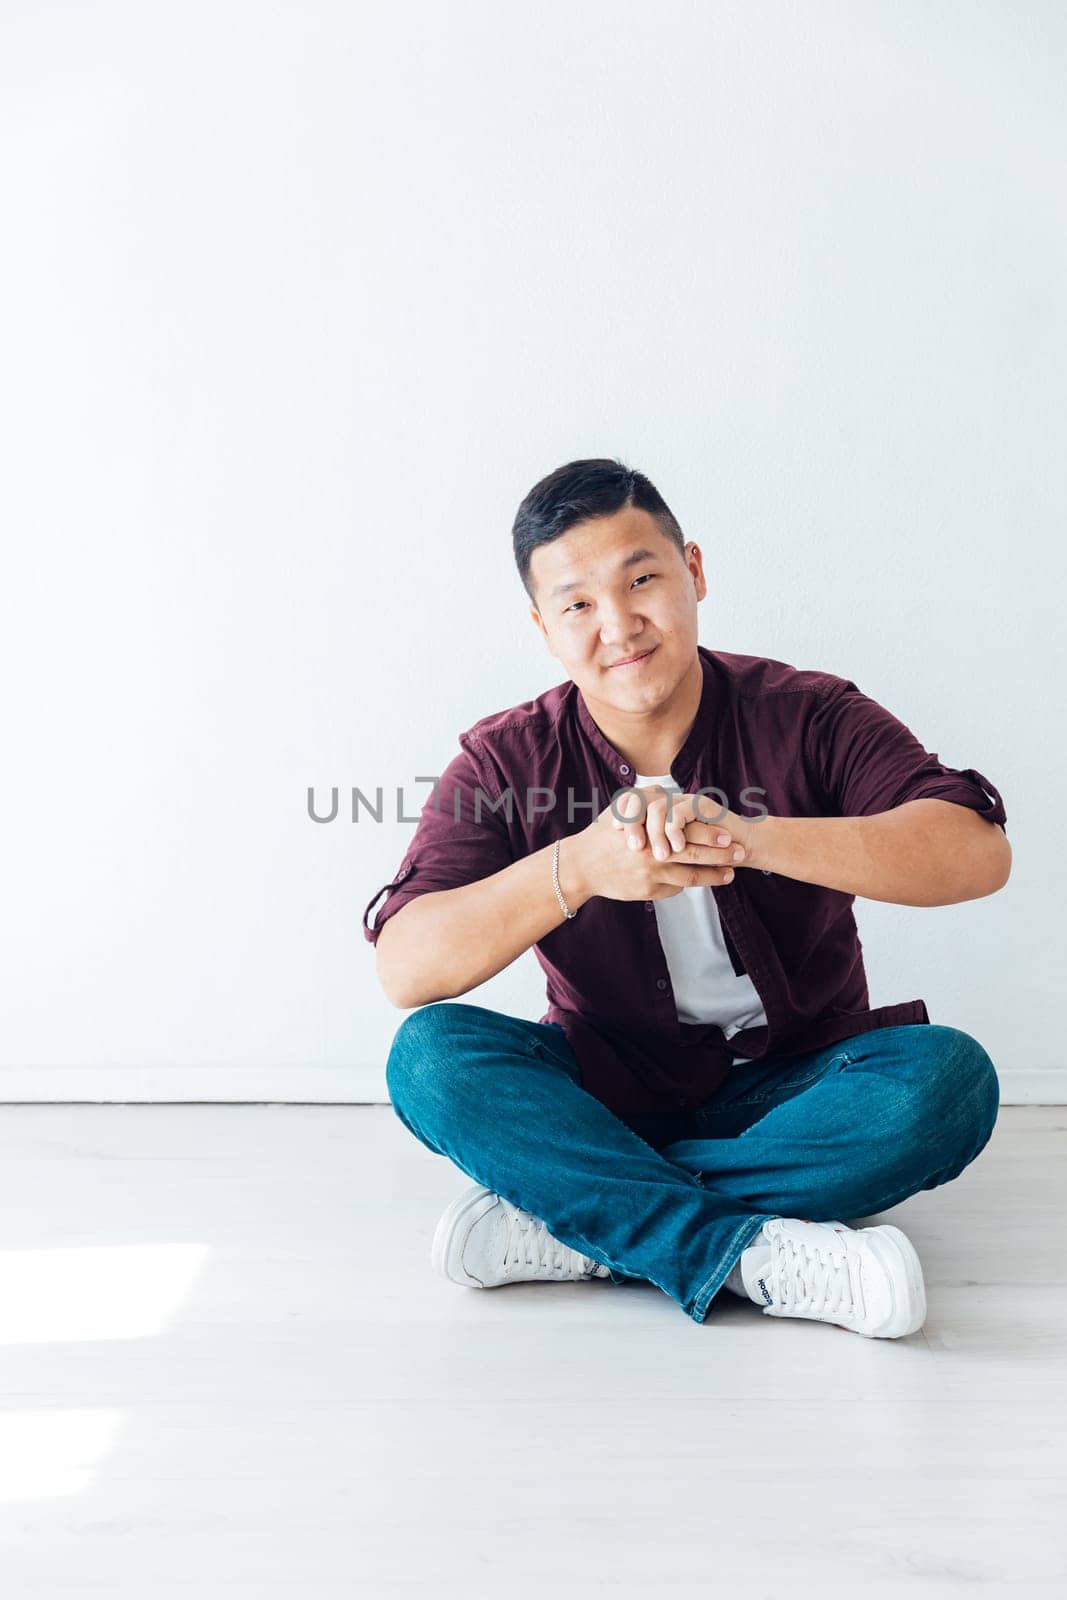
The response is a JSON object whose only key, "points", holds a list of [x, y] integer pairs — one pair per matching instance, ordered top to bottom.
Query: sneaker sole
{"points": [[446, 1252], [896, 1253]]}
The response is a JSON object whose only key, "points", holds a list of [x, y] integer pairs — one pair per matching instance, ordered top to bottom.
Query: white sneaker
{"points": [[483, 1241], [869, 1280]]}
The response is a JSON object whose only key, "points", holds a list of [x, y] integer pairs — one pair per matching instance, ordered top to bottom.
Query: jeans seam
{"points": [[550, 1058], [794, 1083], [761, 1099], [730, 1256]]}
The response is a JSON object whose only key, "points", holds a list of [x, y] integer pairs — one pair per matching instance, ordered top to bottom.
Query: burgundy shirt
{"points": [[803, 743]]}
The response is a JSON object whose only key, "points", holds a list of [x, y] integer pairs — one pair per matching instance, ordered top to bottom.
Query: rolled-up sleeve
{"points": [[865, 760], [462, 835]]}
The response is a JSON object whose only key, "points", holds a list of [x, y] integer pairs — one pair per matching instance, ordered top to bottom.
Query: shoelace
{"points": [[531, 1244], [818, 1278]]}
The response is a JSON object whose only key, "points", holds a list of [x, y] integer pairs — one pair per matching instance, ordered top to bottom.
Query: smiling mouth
{"points": [[633, 661]]}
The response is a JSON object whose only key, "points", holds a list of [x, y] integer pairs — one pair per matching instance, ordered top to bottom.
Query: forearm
{"points": [[923, 853], [448, 942]]}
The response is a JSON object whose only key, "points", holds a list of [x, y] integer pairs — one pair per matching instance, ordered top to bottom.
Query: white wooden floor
{"points": [[227, 1369]]}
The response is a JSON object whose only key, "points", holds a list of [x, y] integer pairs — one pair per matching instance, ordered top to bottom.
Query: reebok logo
{"points": [[765, 1291]]}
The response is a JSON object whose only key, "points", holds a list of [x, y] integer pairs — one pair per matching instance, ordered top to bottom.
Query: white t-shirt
{"points": [[706, 987]]}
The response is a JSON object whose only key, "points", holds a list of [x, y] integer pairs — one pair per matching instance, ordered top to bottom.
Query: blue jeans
{"points": [[837, 1134]]}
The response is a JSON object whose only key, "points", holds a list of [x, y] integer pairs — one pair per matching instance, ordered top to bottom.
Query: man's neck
{"points": [[649, 742]]}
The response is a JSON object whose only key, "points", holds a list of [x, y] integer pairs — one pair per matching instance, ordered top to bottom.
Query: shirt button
{"points": [[624, 769], [661, 983]]}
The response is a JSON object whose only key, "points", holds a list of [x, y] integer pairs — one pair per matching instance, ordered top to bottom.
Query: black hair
{"points": [[578, 492]]}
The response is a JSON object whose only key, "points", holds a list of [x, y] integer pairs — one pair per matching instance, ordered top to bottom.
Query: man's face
{"points": [[610, 589]]}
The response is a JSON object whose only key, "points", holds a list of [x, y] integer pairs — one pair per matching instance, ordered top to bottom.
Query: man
{"points": [[679, 834]]}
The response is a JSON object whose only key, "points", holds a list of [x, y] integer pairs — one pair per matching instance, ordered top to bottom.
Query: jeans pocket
{"points": [[772, 1090]]}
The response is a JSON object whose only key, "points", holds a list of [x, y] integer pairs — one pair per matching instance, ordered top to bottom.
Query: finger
{"points": [[698, 809], [703, 809], [677, 820], [666, 821], [632, 827], [656, 829], [634, 830], [675, 833], [702, 837], [699, 855], [731, 855], [694, 875]]}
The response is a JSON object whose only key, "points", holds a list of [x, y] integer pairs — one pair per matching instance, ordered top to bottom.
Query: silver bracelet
{"points": [[555, 881]]}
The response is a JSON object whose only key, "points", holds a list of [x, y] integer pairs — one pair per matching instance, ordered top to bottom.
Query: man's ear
{"points": [[700, 581], [538, 624]]}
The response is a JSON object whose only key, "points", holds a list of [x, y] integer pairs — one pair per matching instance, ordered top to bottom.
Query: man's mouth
{"points": [[633, 661]]}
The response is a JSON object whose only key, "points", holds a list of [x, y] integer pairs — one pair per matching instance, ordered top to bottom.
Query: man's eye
{"points": [[640, 579]]}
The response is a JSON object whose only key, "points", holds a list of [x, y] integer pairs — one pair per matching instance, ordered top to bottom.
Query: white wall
{"points": [[299, 300]]}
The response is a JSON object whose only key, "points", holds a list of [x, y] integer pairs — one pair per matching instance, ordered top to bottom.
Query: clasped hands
{"points": [[686, 827]]}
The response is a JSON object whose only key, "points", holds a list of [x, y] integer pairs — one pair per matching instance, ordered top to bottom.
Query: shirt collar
{"points": [[697, 739]]}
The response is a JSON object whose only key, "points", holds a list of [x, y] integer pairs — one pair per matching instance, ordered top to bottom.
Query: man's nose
{"points": [[620, 622]]}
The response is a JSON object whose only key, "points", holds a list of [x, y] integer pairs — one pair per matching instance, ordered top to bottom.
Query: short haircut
{"points": [[578, 492]]}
